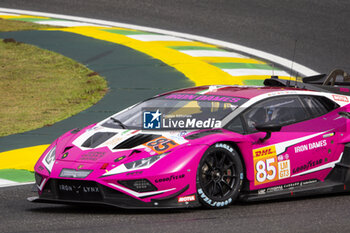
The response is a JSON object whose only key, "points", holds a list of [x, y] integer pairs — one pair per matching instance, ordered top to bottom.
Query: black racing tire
{"points": [[219, 176]]}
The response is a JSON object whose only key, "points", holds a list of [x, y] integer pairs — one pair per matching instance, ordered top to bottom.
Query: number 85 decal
{"points": [[161, 144], [265, 170]]}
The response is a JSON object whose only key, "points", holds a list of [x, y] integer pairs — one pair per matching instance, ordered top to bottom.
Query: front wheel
{"points": [[219, 176]]}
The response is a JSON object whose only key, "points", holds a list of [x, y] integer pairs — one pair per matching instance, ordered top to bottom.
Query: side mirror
{"points": [[268, 129]]}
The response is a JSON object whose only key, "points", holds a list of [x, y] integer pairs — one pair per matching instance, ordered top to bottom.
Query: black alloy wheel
{"points": [[219, 176]]}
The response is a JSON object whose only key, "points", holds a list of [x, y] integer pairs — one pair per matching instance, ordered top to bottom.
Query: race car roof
{"points": [[236, 91]]}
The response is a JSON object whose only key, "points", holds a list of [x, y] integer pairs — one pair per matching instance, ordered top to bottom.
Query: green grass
{"points": [[15, 25], [39, 87], [17, 175]]}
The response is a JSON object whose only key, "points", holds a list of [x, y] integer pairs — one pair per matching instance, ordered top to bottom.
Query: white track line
{"points": [[3, 13], [156, 38], [212, 53], [303, 70], [242, 72], [6, 182], [9, 183]]}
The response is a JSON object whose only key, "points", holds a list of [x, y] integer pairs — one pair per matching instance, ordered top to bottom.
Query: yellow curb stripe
{"points": [[22, 17], [201, 73], [24, 158]]}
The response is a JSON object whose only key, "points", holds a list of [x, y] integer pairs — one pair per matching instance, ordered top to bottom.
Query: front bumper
{"points": [[89, 192]]}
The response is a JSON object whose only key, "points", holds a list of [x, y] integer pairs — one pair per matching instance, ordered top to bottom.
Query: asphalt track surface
{"points": [[321, 29]]}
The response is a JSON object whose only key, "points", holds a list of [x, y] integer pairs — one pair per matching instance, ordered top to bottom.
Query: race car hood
{"points": [[105, 145]]}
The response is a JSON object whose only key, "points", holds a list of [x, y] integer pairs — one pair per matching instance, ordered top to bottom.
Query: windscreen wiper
{"points": [[119, 122]]}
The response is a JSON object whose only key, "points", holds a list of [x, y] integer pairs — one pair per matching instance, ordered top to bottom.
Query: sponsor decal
{"points": [[343, 89], [281, 93], [198, 97], [340, 98], [125, 131], [183, 133], [328, 135], [114, 141], [161, 145], [225, 146], [310, 146], [264, 152], [65, 155], [92, 156], [283, 157], [120, 158], [308, 165], [79, 167], [268, 167], [40, 168], [283, 169], [265, 170], [134, 173], [170, 178], [309, 182], [290, 186], [77, 189], [274, 189], [261, 191], [186, 198], [211, 202]]}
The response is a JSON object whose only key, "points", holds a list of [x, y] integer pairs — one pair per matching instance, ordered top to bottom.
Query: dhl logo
{"points": [[264, 151]]}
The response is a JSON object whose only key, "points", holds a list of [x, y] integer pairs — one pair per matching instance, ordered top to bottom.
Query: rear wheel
{"points": [[219, 176]]}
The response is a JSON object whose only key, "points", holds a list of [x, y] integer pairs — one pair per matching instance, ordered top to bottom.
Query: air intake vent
{"points": [[97, 139], [136, 141], [67, 148]]}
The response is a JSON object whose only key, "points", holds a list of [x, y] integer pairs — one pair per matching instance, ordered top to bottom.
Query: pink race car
{"points": [[208, 145]]}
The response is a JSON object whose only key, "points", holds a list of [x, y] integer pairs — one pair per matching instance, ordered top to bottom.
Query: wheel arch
{"points": [[236, 147]]}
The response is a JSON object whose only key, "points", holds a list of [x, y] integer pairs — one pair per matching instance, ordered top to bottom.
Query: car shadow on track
{"points": [[103, 209], [110, 210]]}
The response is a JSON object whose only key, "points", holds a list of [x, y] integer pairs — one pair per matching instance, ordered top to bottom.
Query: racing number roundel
{"points": [[161, 145], [266, 166]]}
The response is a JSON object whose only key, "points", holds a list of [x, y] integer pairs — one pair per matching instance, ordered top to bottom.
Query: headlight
{"points": [[50, 158], [144, 163], [136, 165]]}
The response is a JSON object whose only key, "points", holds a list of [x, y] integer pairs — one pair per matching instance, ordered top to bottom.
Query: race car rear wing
{"points": [[338, 81]]}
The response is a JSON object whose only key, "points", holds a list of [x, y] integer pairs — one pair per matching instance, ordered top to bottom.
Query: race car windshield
{"points": [[174, 108]]}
